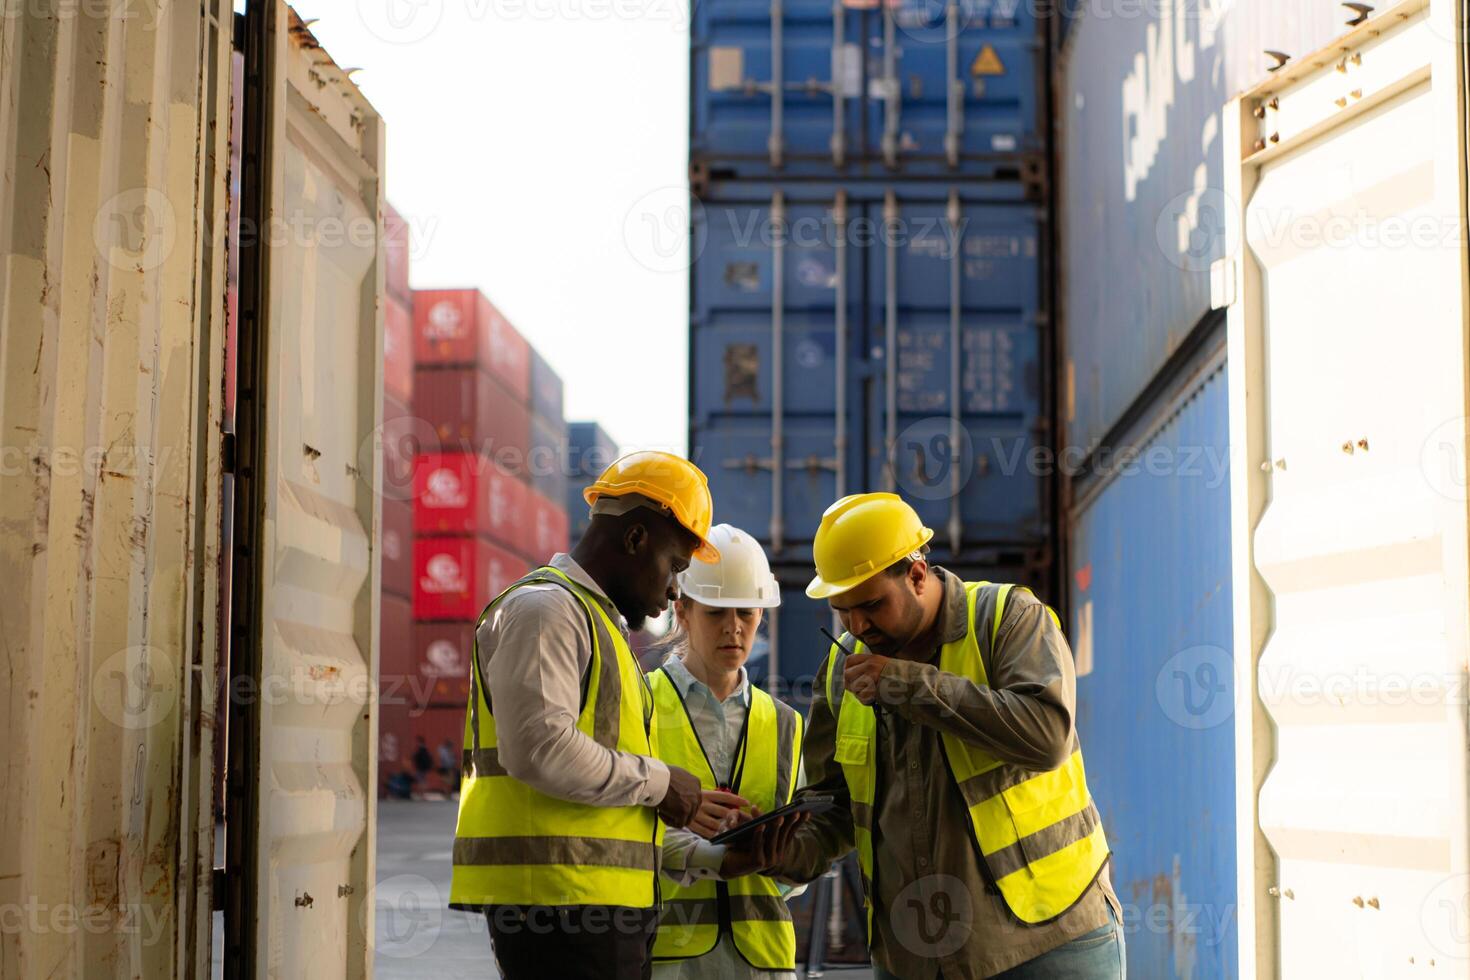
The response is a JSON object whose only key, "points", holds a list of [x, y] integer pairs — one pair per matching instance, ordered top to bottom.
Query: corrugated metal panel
{"points": [[906, 89], [113, 135], [1140, 185], [797, 316], [1348, 400], [589, 451], [1150, 626], [309, 907]]}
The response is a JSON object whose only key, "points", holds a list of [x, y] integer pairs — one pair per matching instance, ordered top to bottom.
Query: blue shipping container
{"points": [[913, 88], [1140, 186], [884, 303], [546, 389], [589, 451], [1151, 629]]}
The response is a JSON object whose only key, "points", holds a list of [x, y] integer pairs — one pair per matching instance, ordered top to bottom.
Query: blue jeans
{"points": [[1095, 955]]}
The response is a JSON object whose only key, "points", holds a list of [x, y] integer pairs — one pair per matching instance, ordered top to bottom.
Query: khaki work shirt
{"points": [[936, 908]]}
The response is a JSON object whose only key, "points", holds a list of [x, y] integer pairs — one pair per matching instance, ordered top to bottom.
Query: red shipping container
{"points": [[397, 247], [461, 328], [398, 349], [469, 411], [403, 437], [461, 493], [549, 526], [397, 548], [455, 578], [395, 640], [442, 657], [438, 725], [395, 740]]}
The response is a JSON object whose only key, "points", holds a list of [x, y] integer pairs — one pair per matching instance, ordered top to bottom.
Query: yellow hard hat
{"points": [[666, 479], [861, 535]]}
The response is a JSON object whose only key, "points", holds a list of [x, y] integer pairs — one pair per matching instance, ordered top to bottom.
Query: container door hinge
{"points": [[1222, 283], [227, 453], [217, 880]]}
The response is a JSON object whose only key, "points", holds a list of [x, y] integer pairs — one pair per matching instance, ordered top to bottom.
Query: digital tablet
{"points": [[809, 804]]}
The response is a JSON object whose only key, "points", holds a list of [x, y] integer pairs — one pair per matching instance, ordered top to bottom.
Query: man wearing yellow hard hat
{"points": [[944, 719], [562, 802]]}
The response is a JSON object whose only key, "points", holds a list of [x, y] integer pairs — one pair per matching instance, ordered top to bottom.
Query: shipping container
{"points": [[808, 88], [1140, 186], [397, 249], [1346, 317], [462, 328], [881, 338], [398, 349], [546, 389], [469, 410], [403, 436], [590, 450], [547, 461], [465, 494], [549, 528], [397, 547], [455, 578], [1151, 631], [395, 642], [441, 663], [437, 726], [395, 739]]}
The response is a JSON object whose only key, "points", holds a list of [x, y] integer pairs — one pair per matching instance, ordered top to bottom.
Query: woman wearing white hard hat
{"points": [[719, 920]]}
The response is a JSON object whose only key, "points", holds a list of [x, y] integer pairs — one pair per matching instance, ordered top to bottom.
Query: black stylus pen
{"points": [[844, 649]]}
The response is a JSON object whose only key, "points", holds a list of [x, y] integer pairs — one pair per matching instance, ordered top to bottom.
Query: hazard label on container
{"points": [[987, 62]]}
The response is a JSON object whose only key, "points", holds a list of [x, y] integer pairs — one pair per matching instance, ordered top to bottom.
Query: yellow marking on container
{"points": [[987, 62]]}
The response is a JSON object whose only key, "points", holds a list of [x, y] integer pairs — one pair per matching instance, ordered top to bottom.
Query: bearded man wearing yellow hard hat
{"points": [[943, 718], [562, 803]]}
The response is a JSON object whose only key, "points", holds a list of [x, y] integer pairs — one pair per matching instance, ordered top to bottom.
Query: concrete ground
{"points": [[418, 936]]}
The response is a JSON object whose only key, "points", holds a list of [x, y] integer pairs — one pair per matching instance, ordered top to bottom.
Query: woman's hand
{"points": [[714, 808]]}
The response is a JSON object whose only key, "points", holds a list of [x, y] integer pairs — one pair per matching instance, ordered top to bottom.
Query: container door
{"points": [[777, 86], [954, 87], [954, 298], [775, 299], [1348, 395], [300, 828]]}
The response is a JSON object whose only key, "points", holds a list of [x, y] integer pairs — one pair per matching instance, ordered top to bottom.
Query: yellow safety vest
{"points": [[1038, 833], [515, 845], [751, 907]]}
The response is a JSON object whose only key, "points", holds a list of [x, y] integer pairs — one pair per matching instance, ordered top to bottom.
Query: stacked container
{"points": [[589, 451], [488, 487], [396, 527]]}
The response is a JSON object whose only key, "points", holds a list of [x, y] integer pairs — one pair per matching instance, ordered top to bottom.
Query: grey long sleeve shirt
{"points": [[534, 650], [935, 907]]}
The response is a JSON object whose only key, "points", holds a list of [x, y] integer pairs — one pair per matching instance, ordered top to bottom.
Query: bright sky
{"points": [[538, 149]]}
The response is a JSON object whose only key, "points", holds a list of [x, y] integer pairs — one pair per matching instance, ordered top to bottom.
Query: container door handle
{"points": [[892, 97], [839, 101], [955, 101], [774, 143], [890, 322], [956, 355], [778, 364], [839, 443]]}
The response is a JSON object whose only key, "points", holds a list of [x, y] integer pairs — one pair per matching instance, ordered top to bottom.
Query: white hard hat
{"points": [[740, 579]]}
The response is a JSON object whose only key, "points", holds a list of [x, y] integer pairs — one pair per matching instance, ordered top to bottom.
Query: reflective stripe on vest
{"points": [[1038, 832], [515, 845], [758, 918]]}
